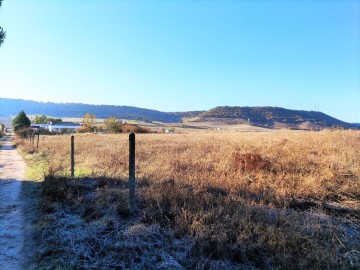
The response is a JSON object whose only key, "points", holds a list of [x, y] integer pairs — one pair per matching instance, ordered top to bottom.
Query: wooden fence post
{"points": [[31, 138], [38, 138], [72, 156], [132, 205]]}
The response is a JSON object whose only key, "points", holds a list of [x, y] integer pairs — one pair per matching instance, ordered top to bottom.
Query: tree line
{"points": [[22, 124]]}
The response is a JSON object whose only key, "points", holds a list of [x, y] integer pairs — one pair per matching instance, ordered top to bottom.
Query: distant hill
{"points": [[10, 107], [190, 114], [273, 117]]}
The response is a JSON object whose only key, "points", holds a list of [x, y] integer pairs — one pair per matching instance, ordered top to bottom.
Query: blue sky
{"points": [[184, 55]]}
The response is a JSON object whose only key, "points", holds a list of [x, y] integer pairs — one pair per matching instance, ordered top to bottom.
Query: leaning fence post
{"points": [[38, 138], [72, 156], [132, 173]]}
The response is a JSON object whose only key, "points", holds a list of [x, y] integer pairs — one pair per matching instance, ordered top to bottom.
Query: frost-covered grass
{"points": [[85, 225]]}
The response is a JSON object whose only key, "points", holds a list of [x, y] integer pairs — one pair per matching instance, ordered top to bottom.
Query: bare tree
{"points": [[2, 32]]}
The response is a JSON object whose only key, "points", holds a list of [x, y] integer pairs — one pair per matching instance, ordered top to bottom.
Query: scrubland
{"points": [[269, 200]]}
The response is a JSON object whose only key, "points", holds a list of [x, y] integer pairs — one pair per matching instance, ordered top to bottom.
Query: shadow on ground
{"points": [[18, 223], [86, 225]]}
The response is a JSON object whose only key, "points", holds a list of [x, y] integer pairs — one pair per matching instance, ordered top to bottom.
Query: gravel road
{"points": [[14, 223]]}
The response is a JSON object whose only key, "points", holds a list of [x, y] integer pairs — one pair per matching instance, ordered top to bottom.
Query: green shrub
{"points": [[21, 121]]}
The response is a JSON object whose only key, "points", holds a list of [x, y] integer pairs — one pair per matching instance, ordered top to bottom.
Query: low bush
{"points": [[84, 129], [23, 132]]}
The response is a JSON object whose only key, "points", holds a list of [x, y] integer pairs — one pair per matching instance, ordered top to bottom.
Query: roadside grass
{"points": [[36, 166], [82, 171], [204, 202]]}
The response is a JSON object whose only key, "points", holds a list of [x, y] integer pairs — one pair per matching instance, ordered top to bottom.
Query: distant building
{"points": [[63, 125], [55, 127], [35, 128], [129, 128]]}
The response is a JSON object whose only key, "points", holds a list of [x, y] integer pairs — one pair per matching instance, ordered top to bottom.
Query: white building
{"points": [[63, 125], [59, 126]]}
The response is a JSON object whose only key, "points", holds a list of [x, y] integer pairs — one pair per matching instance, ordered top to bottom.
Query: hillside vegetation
{"points": [[78, 110], [270, 117], [273, 117], [281, 200]]}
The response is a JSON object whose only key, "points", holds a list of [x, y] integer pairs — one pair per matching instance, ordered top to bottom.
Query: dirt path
{"points": [[14, 225]]}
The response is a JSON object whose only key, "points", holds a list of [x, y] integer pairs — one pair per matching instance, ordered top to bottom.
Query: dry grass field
{"points": [[254, 200]]}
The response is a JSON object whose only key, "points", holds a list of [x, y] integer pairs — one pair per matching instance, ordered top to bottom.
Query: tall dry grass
{"points": [[322, 165], [207, 191]]}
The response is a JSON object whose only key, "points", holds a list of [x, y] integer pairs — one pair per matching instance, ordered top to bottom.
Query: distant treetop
{"points": [[2, 32], [43, 119], [21, 121]]}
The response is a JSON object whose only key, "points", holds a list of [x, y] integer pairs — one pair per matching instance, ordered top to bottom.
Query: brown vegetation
{"points": [[84, 129], [250, 162], [284, 200]]}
